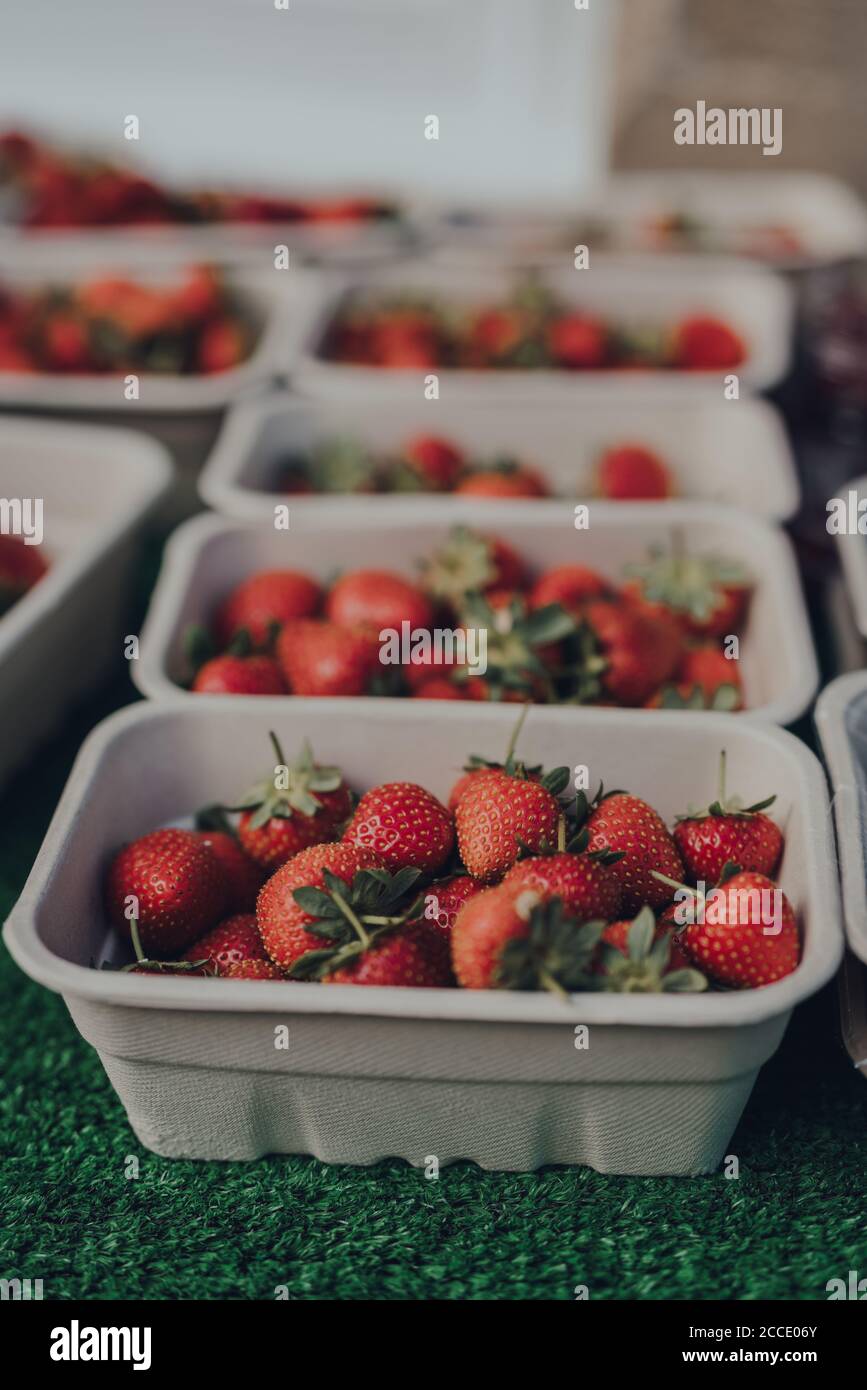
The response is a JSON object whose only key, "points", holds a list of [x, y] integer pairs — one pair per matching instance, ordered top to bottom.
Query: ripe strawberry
{"points": [[494, 334], [578, 342], [703, 343], [65, 344], [222, 344], [435, 462], [632, 473], [505, 479], [472, 563], [20, 567], [572, 586], [707, 594], [377, 599], [265, 602], [635, 652], [320, 658], [708, 667], [239, 675], [438, 688], [468, 779], [302, 803], [499, 814], [626, 825], [406, 826], [728, 832], [243, 877], [179, 885], [588, 886], [445, 899], [283, 922], [616, 935], [749, 936], [510, 938], [231, 941], [415, 956], [642, 957], [252, 970]]}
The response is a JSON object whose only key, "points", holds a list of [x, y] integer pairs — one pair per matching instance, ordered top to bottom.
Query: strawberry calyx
{"points": [[464, 564], [687, 584], [514, 637], [199, 646], [725, 698], [554, 781], [292, 787], [585, 805], [726, 806], [568, 843], [352, 917], [556, 954], [204, 966], [642, 970]]}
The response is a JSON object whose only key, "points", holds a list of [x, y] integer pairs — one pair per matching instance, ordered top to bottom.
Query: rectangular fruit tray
{"points": [[828, 220], [624, 289], [739, 456], [852, 549], [208, 555], [60, 639], [841, 719], [492, 1076]]}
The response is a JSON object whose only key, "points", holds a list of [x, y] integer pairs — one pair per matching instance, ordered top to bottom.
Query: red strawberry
{"points": [[495, 333], [577, 342], [703, 343], [65, 344], [222, 344], [436, 462], [631, 472], [504, 480], [472, 563], [21, 566], [572, 586], [707, 594], [377, 599], [264, 602], [638, 652], [320, 658], [709, 668], [239, 675], [438, 688], [468, 779], [300, 804], [498, 814], [626, 825], [406, 826], [728, 832], [243, 877], [179, 885], [588, 887], [445, 899], [282, 922], [616, 935], [749, 936], [508, 938], [231, 941], [415, 957], [640, 957], [252, 970]]}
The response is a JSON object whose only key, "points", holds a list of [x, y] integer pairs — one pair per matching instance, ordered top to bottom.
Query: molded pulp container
{"points": [[208, 555], [492, 1076]]}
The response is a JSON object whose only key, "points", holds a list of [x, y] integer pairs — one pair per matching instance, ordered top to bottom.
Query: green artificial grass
{"points": [[182, 1230]]}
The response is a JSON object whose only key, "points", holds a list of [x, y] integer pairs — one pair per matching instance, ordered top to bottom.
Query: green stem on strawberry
{"points": [[516, 734], [278, 751], [350, 916], [136, 940], [551, 984]]}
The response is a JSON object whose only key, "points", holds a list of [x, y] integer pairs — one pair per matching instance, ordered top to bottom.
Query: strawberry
{"points": [[495, 334], [577, 342], [223, 343], [703, 343], [65, 344], [434, 462], [632, 473], [503, 479], [470, 563], [21, 566], [570, 586], [708, 594], [377, 599], [263, 603], [522, 648], [628, 653], [321, 658], [708, 667], [239, 675], [438, 688], [683, 695], [476, 767], [468, 779], [301, 804], [498, 815], [623, 824], [406, 826], [728, 832], [242, 876], [179, 885], [587, 885], [445, 899], [282, 919], [748, 936], [510, 938], [231, 941], [415, 957], [641, 957], [252, 970]]}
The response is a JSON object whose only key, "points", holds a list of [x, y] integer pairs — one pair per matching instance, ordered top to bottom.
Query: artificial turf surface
{"points": [[791, 1221]]}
